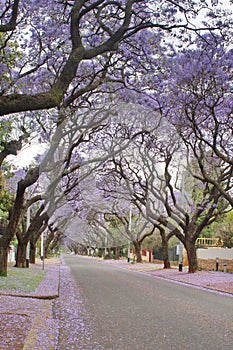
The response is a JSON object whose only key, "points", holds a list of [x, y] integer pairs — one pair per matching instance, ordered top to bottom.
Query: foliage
{"points": [[70, 45], [9, 56], [199, 105], [5, 198], [223, 229], [152, 241]]}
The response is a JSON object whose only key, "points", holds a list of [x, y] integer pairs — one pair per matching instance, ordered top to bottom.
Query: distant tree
{"points": [[123, 226]]}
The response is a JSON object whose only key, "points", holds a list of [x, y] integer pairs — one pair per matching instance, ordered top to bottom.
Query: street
{"points": [[127, 311]]}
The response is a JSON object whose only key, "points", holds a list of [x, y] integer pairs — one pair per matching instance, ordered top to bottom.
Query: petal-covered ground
{"points": [[74, 324], [13, 331]]}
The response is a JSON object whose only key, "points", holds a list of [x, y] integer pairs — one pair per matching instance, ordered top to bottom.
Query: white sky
{"points": [[26, 156]]}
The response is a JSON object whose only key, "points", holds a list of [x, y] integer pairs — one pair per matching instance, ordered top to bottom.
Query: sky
{"points": [[26, 156]]}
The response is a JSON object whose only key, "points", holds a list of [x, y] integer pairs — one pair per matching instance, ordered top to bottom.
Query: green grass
{"points": [[22, 279]]}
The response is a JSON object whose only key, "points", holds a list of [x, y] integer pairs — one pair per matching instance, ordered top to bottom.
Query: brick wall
{"points": [[210, 264]]}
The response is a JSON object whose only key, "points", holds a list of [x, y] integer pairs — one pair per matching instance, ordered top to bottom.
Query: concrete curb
{"points": [[42, 334]]}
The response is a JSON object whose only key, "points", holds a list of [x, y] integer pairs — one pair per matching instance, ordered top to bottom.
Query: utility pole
{"points": [[130, 228], [28, 245], [42, 249]]}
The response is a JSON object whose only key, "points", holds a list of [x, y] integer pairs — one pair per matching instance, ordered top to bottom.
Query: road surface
{"points": [[131, 311]]}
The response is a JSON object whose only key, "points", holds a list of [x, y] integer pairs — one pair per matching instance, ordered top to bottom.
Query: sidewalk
{"points": [[27, 318], [28, 321]]}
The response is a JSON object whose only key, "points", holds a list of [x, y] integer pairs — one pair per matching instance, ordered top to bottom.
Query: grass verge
{"points": [[22, 279]]}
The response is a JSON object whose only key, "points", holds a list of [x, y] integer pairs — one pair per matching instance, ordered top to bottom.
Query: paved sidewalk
{"points": [[27, 318]]}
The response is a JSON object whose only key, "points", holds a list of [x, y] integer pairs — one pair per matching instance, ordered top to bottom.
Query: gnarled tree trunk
{"points": [[16, 212]]}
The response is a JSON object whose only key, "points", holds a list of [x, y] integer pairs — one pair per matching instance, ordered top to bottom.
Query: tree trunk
{"points": [[48, 240], [137, 247], [46, 252], [32, 253], [109, 253], [117, 253], [21, 254], [192, 256], [3, 261], [166, 261]]}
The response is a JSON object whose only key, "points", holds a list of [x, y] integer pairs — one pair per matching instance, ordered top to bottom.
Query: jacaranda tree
{"points": [[60, 43], [65, 50], [199, 104]]}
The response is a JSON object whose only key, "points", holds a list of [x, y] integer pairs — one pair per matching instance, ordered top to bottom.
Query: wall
{"points": [[213, 253], [207, 259], [210, 264]]}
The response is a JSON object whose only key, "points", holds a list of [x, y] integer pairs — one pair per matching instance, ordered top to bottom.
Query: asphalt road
{"points": [[131, 311]]}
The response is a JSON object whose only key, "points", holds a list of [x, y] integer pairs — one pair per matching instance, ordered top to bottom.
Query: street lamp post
{"points": [[130, 227], [105, 244], [28, 245], [42, 249]]}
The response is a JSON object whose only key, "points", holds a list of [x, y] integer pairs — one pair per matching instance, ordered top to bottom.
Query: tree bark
{"points": [[9, 231], [137, 247], [32, 252], [117, 253], [21, 254], [108, 254], [192, 256], [3, 261], [166, 261]]}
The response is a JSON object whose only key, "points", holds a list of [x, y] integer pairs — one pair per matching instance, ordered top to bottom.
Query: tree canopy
{"points": [[65, 48], [68, 67]]}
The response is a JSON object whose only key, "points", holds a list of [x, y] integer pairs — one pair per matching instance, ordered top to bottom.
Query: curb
{"points": [[148, 272], [197, 286], [32, 296], [42, 334]]}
